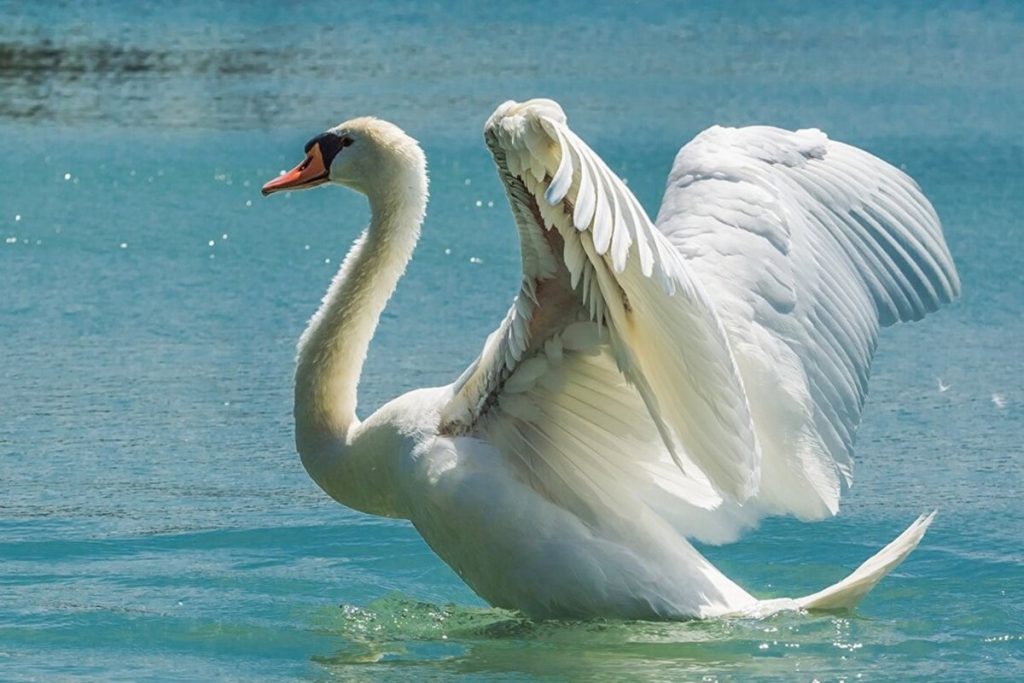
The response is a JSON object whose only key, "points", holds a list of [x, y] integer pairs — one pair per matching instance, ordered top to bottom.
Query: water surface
{"points": [[154, 520]]}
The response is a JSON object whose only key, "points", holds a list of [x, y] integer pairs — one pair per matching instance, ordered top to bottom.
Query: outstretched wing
{"points": [[805, 247], [611, 376]]}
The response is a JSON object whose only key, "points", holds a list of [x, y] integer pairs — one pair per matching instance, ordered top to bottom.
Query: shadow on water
{"points": [[399, 633]]}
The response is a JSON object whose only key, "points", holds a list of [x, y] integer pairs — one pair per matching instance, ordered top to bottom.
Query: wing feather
{"points": [[806, 246], [661, 330], [710, 368]]}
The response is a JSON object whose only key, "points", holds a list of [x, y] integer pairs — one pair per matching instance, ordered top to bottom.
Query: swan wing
{"points": [[806, 246], [611, 377], [574, 430]]}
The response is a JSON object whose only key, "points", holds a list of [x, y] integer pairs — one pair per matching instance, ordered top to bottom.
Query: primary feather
{"points": [[806, 246]]}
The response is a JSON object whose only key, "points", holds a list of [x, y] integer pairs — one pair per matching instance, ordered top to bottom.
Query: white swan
{"points": [[652, 382]]}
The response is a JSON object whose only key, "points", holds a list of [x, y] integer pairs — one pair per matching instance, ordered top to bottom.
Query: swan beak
{"points": [[310, 173]]}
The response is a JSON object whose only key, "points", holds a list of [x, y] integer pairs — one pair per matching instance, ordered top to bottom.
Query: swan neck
{"points": [[333, 348]]}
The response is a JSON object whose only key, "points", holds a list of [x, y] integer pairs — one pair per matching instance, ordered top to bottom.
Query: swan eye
{"points": [[346, 141]]}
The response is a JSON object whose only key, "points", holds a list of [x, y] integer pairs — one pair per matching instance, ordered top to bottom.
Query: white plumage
{"points": [[652, 381]]}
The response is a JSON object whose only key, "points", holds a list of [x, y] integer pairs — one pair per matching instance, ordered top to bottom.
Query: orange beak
{"points": [[310, 173]]}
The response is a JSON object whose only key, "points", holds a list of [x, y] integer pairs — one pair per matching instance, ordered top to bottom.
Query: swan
{"points": [[652, 383]]}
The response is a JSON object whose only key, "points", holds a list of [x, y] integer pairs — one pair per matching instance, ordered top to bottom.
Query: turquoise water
{"points": [[155, 523]]}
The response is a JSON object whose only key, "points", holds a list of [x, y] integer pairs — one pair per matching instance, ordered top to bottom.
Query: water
{"points": [[154, 520]]}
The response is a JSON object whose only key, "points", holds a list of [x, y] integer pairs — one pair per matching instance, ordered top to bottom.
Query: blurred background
{"points": [[155, 522]]}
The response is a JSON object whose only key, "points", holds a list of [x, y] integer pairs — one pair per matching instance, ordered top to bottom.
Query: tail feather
{"points": [[851, 590], [847, 593]]}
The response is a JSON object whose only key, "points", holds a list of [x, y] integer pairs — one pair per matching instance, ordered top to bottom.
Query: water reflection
{"points": [[216, 64], [204, 65], [102, 81]]}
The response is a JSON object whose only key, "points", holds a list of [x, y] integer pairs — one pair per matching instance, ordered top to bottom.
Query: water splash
{"points": [[399, 631]]}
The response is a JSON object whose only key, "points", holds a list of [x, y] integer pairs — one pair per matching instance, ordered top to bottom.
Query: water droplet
{"points": [[67, 176], [467, 181], [248, 202], [479, 203], [490, 204], [17, 217], [224, 236], [11, 240], [211, 243], [124, 245], [306, 247], [447, 250], [475, 259], [327, 260]]}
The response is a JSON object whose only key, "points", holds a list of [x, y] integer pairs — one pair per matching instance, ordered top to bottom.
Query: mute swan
{"points": [[651, 382]]}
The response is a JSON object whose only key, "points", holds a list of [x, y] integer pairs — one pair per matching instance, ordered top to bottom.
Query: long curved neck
{"points": [[333, 348]]}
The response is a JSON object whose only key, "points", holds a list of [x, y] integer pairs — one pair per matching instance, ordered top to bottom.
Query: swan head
{"points": [[365, 154]]}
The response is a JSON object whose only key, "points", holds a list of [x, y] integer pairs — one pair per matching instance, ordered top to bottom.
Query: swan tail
{"points": [[851, 590], [847, 593]]}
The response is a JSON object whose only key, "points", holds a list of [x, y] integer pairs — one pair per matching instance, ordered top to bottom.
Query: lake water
{"points": [[155, 523]]}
